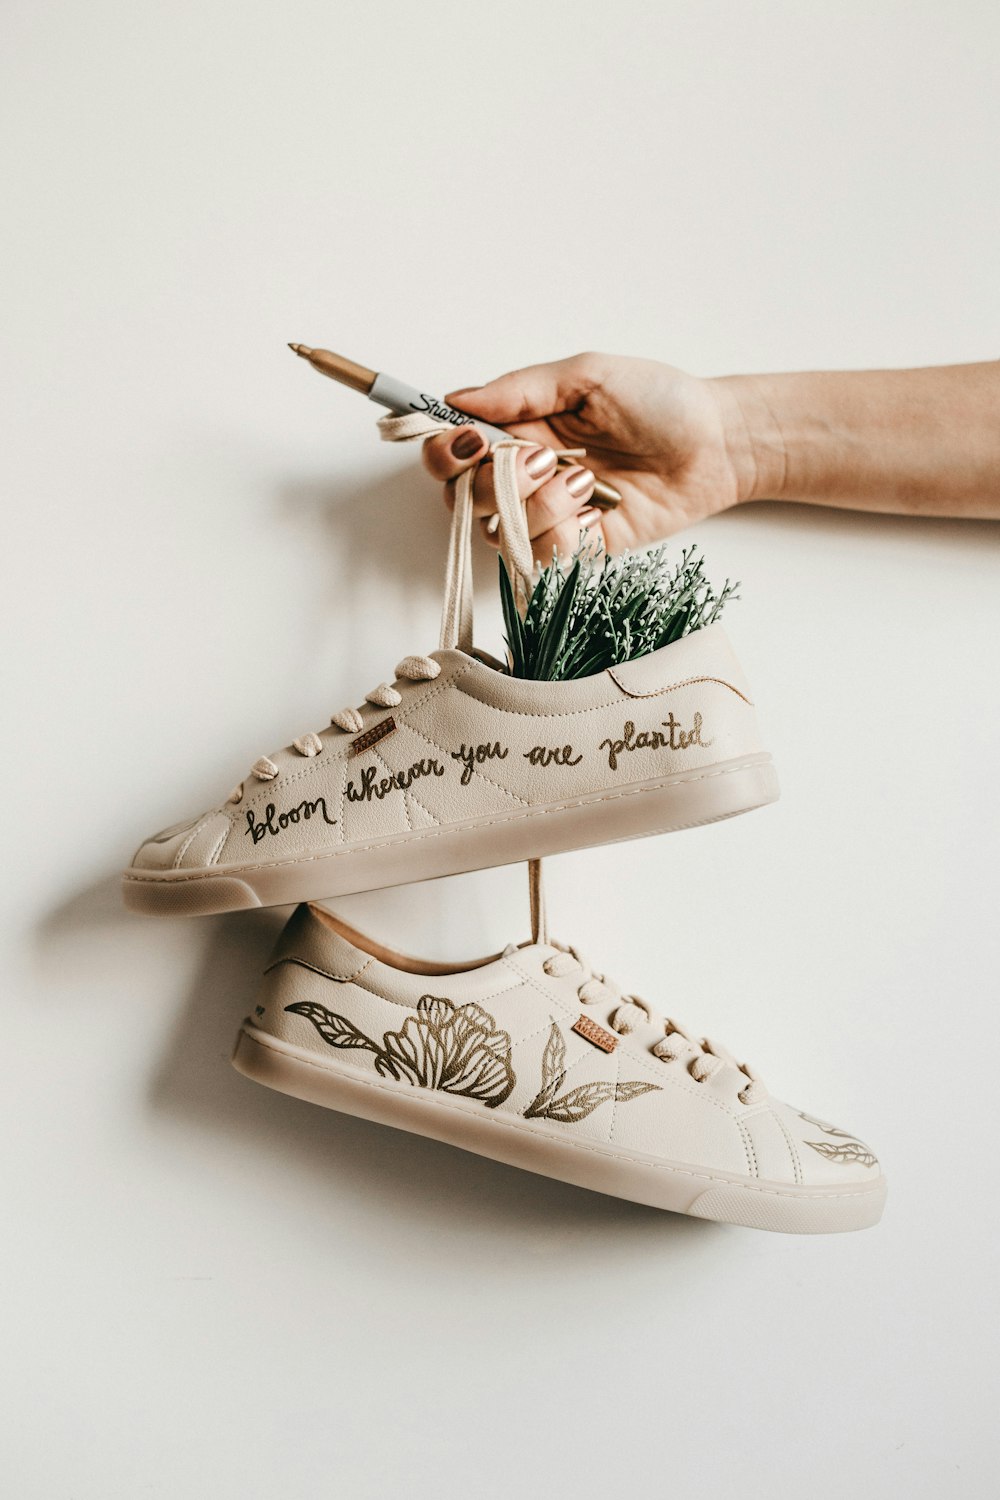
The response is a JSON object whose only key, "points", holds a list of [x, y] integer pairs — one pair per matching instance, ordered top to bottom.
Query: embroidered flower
{"points": [[455, 1049]]}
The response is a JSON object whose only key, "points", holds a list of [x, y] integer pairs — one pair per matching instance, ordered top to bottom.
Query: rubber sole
{"points": [[685, 800], [540, 1148]]}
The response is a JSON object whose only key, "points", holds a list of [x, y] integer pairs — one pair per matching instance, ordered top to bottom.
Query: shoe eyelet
{"points": [[741, 1096]]}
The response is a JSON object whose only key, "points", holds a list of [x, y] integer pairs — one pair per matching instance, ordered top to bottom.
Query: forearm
{"points": [[915, 442]]}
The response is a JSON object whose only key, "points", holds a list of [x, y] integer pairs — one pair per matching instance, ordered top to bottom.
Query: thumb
{"points": [[535, 392]]}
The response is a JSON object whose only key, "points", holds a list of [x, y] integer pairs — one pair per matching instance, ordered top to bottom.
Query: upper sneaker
{"points": [[455, 765], [532, 1058]]}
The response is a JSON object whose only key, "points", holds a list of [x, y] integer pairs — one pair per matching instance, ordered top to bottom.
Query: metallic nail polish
{"points": [[537, 464], [580, 482]]}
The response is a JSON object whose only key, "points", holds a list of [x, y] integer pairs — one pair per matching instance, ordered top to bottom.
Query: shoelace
{"points": [[515, 543], [456, 616], [411, 668], [702, 1056]]}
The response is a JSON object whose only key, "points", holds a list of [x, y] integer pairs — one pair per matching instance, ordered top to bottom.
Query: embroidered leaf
{"points": [[336, 1030], [554, 1056], [387, 1066], [626, 1091], [580, 1102], [539, 1106], [822, 1125], [851, 1151]]}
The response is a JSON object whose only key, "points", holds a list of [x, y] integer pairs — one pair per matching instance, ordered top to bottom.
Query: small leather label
{"points": [[373, 735], [591, 1032]]}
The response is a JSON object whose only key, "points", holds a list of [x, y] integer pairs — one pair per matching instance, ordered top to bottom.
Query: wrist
{"points": [[752, 433]]}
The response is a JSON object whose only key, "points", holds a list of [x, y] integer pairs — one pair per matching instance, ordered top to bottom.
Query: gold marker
{"points": [[400, 398]]}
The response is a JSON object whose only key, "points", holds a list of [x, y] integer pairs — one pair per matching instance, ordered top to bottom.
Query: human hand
{"points": [[668, 441]]}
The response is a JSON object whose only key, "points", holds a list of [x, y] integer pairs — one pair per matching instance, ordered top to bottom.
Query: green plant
{"points": [[606, 610]]}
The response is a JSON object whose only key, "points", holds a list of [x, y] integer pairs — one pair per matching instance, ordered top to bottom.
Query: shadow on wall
{"points": [[386, 543]]}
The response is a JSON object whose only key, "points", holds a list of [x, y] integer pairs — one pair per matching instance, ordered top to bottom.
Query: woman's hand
{"points": [[668, 441], [911, 442]]}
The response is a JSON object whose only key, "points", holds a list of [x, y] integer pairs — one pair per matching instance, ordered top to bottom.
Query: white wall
{"points": [[217, 1291]]}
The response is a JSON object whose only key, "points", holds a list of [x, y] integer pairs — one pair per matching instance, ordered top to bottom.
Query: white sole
{"points": [[684, 800], [541, 1148]]}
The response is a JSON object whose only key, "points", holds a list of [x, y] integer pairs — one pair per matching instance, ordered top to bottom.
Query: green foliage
{"points": [[606, 610]]}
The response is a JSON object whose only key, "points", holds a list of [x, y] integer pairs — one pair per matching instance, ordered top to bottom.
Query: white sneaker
{"points": [[456, 765], [532, 1058]]}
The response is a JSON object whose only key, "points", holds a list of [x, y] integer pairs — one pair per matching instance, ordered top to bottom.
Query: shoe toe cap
{"points": [[192, 844], [828, 1154]]}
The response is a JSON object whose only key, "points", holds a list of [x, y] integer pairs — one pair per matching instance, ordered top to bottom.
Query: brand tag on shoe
{"points": [[373, 735], [591, 1032]]}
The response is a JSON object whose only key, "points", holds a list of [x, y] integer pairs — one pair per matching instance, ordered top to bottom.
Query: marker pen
{"points": [[398, 397]]}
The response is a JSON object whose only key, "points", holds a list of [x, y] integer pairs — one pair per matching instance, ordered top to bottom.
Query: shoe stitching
{"points": [[685, 682], [574, 713], [421, 734], [391, 770], [409, 792], [533, 812], [202, 823], [219, 843], [303, 963], [411, 1004], [614, 1096], [513, 1122], [748, 1147], [792, 1148]]}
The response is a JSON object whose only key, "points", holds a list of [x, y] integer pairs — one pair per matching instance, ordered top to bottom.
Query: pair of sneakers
{"points": [[529, 1056]]}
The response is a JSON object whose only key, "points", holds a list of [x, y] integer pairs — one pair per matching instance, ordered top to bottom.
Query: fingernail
{"points": [[468, 443], [537, 464], [580, 482], [589, 517], [493, 525]]}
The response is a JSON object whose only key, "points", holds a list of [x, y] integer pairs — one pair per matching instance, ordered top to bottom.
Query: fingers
{"points": [[536, 391], [528, 395], [446, 454], [535, 467], [558, 504], [565, 538]]}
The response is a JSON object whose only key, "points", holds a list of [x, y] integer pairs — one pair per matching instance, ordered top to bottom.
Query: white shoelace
{"points": [[515, 543], [456, 616], [349, 720], [702, 1057]]}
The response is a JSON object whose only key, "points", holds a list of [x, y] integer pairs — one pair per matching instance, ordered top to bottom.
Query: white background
{"points": [[216, 1291]]}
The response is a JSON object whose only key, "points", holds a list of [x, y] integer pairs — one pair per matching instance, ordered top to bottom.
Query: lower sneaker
{"points": [[532, 1058]]}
